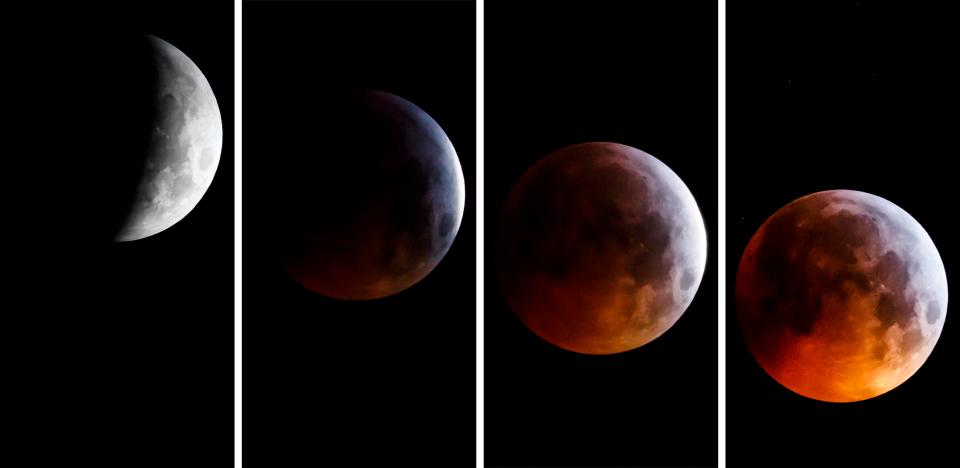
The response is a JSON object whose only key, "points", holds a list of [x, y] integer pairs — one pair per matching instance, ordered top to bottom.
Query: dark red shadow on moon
{"points": [[373, 204]]}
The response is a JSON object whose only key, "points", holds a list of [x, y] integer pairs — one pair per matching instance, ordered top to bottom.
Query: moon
{"points": [[184, 148], [377, 206], [601, 248], [841, 296]]}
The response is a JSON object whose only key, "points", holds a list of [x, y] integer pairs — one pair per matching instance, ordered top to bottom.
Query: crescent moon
{"points": [[184, 149]]}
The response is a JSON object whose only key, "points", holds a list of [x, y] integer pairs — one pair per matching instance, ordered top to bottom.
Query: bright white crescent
{"points": [[184, 149]]}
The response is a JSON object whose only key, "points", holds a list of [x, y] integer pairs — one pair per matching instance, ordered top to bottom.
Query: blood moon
{"points": [[601, 248], [841, 296]]}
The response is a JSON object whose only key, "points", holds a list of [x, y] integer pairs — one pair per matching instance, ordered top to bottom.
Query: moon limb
{"points": [[185, 146], [841, 296]]}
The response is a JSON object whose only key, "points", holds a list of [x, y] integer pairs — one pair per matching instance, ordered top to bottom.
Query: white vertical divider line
{"points": [[479, 225], [721, 231], [237, 236]]}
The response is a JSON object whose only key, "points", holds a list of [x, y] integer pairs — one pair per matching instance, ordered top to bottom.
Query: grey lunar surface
{"points": [[185, 146]]}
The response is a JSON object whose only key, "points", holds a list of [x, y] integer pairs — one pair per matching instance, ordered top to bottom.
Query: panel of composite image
{"points": [[600, 227], [359, 233], [838, 251], [121, 258]]}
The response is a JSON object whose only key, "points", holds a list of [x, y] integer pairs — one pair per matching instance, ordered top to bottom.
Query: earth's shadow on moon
{"points": [[372, 194]]}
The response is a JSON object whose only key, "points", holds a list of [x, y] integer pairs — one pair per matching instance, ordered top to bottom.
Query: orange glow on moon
{"points": [[601, 248], [841, 296]]}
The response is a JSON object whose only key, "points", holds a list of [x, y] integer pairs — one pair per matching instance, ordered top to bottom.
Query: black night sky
{"points": [[638, 73], [853, 95], [358, 383]]}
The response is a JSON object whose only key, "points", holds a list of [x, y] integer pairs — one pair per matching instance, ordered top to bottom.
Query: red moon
{"points": [[601, 248], [841, 296]]}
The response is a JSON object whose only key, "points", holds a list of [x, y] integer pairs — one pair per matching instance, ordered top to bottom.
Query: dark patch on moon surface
{"points": [[446, 224], [804, 253], [834, 267], [688, 278], [933, 311]]}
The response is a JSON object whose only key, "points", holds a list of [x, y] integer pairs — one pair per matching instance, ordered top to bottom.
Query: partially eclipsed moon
{"points": [[184, 148], [376, 208], [601, 248], [841, 296]]}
